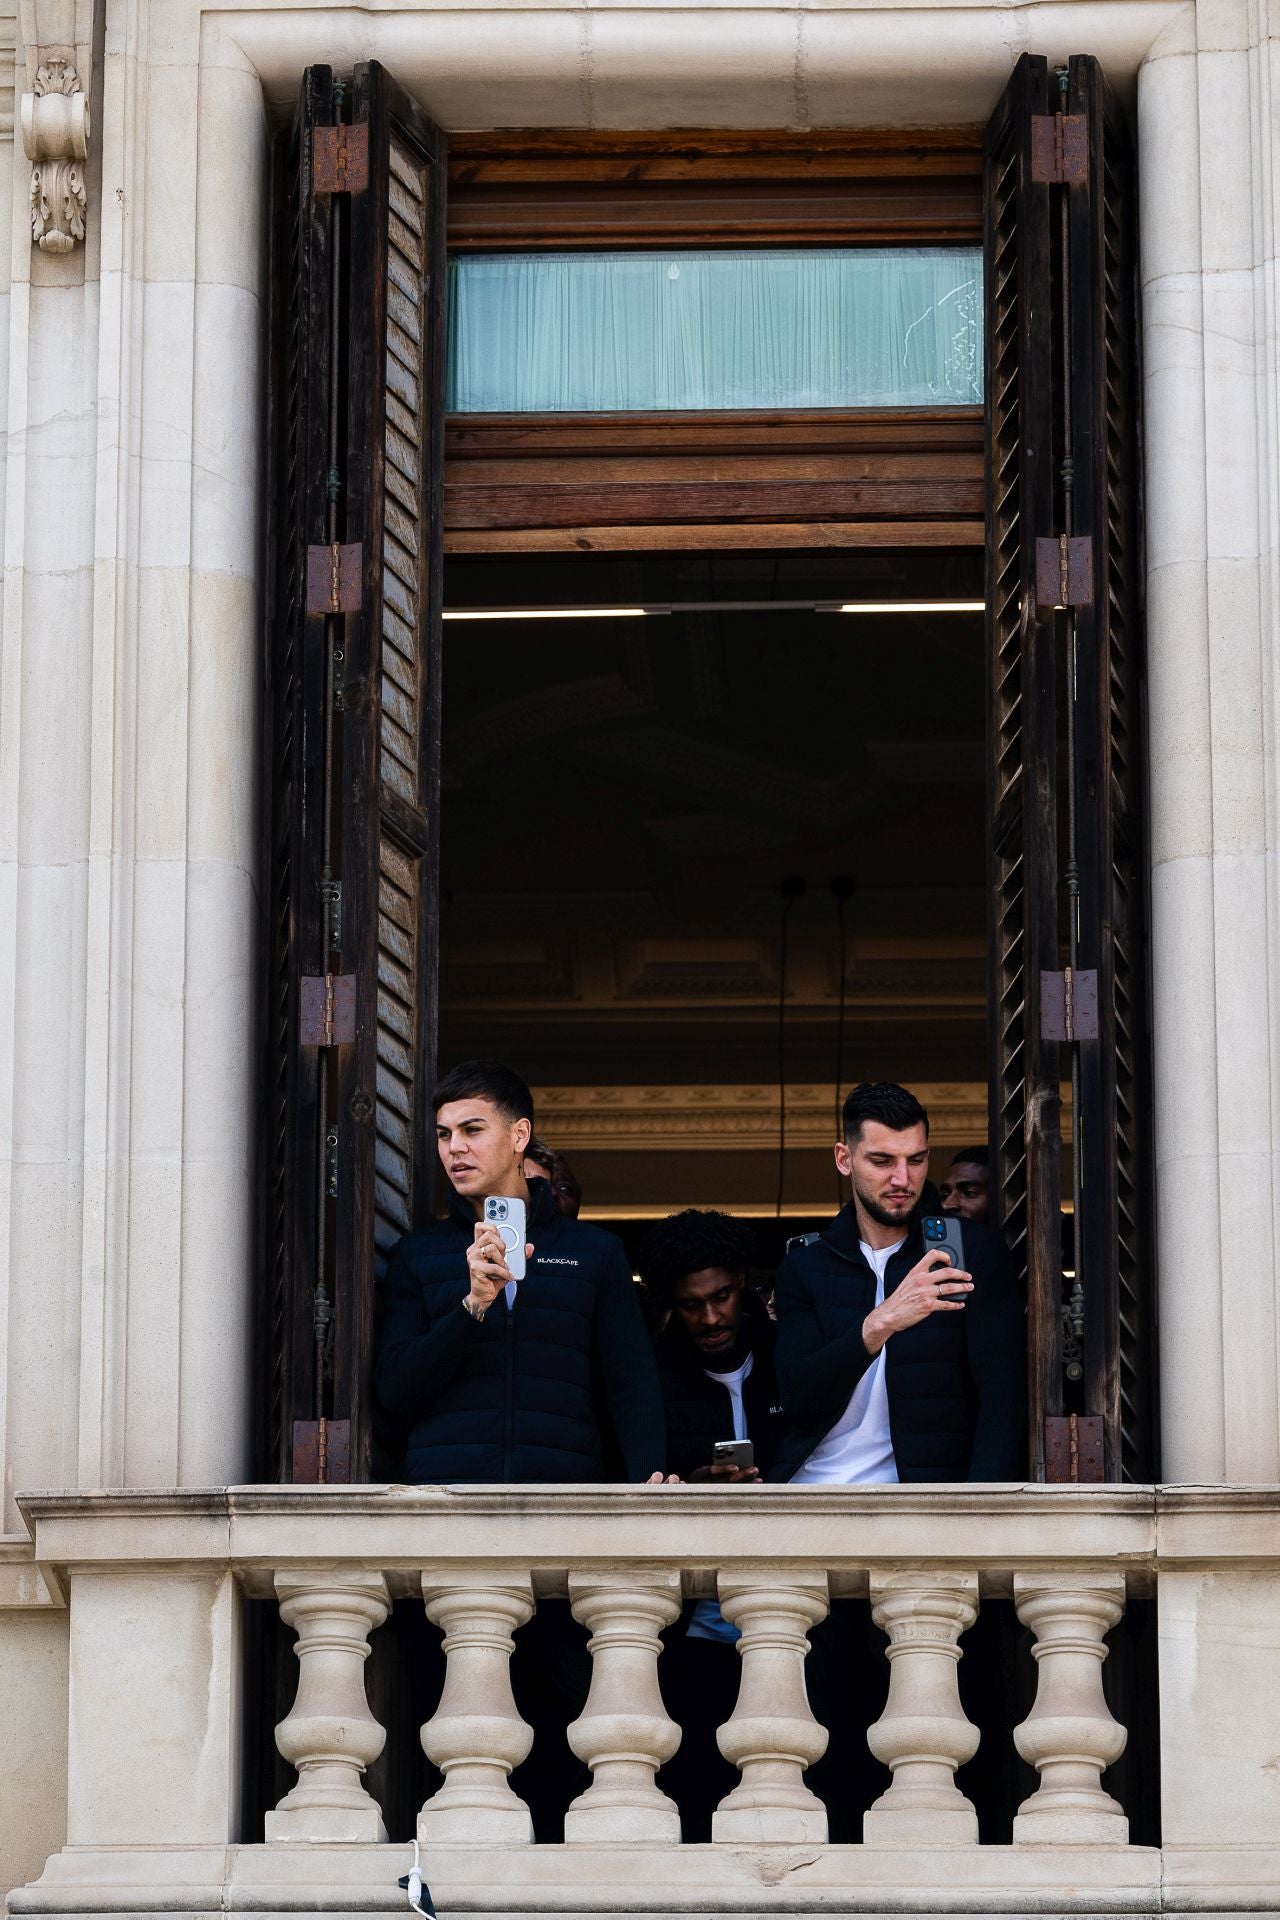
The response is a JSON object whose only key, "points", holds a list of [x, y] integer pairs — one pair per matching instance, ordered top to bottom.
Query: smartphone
{"points": [[508, 1217], [942, 1235], [733, 1453]]}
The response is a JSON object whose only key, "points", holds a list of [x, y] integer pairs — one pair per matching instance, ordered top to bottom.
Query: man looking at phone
{"points": [[715, 1353], [897, 1364], [497, 1379], [719, 1390]]}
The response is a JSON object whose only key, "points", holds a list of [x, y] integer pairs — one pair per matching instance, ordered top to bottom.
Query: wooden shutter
{"points": [[354, 653], [1066, 929], [1022, 939], [1116, 1244]]}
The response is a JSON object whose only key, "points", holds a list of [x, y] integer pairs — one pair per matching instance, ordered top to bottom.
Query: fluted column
{"points": [[623, 1733], [772, 1735], [923, 1735], [1070, 1735], [330, 1736], [476, 1736]]}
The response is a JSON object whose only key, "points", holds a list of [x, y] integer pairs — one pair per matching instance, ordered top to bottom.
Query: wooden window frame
{"points": [[626, 482]]}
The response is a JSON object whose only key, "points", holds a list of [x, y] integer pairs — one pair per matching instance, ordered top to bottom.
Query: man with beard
{"points": [[893, 1366]]}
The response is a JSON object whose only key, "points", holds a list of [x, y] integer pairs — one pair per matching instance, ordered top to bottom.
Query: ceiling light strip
{"points": [[658, 610]]}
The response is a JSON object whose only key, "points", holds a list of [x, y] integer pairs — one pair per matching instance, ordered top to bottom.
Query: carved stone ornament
{"points": [[55, 135]]}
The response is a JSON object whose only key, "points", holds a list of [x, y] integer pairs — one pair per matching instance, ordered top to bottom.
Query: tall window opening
{"points": [[679, 464]]}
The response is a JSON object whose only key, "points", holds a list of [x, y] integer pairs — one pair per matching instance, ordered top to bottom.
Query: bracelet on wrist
{"points": [[469, 1306]]}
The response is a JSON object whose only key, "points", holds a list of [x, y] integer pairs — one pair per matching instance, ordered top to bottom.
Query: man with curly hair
{"points": [[715, 1353], [715, 1367]]}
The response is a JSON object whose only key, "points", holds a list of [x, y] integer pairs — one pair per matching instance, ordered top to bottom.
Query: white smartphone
{"points": [[508, 1217]]}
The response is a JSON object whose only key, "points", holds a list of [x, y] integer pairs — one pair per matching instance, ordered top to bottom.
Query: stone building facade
{"points": [[134, 476]]}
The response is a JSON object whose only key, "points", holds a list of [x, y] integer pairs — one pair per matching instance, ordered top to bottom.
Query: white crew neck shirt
{"points": [[735, 1382], [858, 1451], [708, 1623]]}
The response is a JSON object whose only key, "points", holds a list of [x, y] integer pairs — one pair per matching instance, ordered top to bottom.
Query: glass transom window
{"points": [[716, 330]]}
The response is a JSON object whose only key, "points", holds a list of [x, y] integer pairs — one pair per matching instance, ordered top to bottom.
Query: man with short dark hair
{"points": [[965, 1186], [894, 1365], [547, 1378]]}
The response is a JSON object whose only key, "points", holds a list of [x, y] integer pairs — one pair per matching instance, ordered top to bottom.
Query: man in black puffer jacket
{"points": [[893, 1365], [547, 1378], [492, 1379]]}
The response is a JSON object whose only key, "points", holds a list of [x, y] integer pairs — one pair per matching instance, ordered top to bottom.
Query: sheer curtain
{"points": [[596, 332]]}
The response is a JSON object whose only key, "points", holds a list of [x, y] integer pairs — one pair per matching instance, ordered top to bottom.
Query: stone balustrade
{"points": [[156, 1584]]}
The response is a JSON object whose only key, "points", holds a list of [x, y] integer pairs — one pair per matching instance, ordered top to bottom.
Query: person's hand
{"points": [[487, 1266], [932, 1286], [723, 1470], [663, 1480]]}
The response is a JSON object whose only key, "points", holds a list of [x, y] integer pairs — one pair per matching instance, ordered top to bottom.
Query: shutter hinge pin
{"points": [[1059, 149], [340, 158], [1064, 572], [334, 578], [1069, 1004], [327, 1009]]}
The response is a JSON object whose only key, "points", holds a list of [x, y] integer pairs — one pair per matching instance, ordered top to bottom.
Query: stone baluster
{"points": [[623, 1733], [772, 1735], [923, 1735], [1070, 1735], [330, 1736], [476, 1736]]}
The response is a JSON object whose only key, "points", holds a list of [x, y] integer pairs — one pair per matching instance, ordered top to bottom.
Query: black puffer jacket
{"points": [[956, 1381], [554, 1389], [699, 1410]]}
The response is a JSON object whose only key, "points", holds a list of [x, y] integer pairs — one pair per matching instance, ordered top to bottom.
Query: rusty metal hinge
{"points": [[1059, 149], [340, 159], [1064, 572], [334, 583], [1069, 1004], [327, 1010], [1073, 1449], [321, 1452]]}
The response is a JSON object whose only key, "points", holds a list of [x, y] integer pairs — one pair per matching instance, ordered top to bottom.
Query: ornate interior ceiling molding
{"points": [[57, 36], [724, 1118]]}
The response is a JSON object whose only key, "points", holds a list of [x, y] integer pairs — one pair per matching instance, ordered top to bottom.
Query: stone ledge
{"points": [[583, 1879]]}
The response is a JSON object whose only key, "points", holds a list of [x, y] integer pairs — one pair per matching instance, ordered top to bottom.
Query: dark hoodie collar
{"points": [[542, 1206], [843, 1235]]}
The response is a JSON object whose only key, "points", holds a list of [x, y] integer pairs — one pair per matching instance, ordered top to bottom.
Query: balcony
{"points": [[156, 1583]]}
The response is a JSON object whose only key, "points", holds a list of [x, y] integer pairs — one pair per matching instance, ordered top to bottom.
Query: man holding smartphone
{"points": [[715, 1352], [896, 1363], [499, 1378], [547, 1378], [720, 1393]]}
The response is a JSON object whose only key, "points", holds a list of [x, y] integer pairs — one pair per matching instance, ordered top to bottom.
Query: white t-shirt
{"points": [[734, 1382], [858, 1451], [708, 1623]]}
